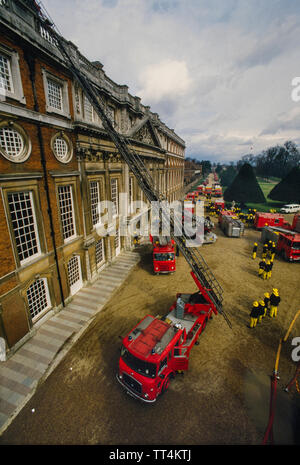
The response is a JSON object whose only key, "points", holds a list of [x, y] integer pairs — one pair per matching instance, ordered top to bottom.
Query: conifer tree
{"points": [[245, 188], [288, 189]]}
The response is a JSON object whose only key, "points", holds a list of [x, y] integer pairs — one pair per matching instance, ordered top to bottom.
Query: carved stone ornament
{"points": [[144, 135]]}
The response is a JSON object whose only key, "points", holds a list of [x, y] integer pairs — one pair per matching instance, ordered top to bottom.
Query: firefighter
{"points": [[136, 239], [273, 249], [269, 250], [177, 251], [254, 251], [264, 251], [261, 265], [270, 266], [266, 270], [267, 302], [274, 302], [261, 310], [254, 314]]}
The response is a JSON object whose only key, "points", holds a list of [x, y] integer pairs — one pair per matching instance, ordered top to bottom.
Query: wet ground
{"points": [[224, 396]]}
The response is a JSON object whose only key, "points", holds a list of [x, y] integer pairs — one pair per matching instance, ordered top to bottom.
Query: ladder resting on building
{"points": [[138, 168]]}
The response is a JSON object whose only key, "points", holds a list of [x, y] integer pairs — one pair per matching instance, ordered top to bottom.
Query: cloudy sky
{"points": [[219, 72]]}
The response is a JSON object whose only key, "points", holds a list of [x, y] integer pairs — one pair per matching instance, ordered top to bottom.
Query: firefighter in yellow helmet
{"points": [[273, 249], [254, 251], [264, 251], [270, 266], [261, 267], [266, 270], [267, 302], [274, 302], [261, 309], [254, 314]]}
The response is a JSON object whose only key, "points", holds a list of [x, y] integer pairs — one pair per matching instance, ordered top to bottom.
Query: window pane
{"points": [[5, 74], [54, 94], [88, 109], [11, 142], [60, 148], [114, 193], [95, 201], [66, 211], [23, 223], [99, 251], [37, 296]]}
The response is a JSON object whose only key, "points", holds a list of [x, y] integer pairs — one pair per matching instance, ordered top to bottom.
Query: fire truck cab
{"points": [[163, 254], [157, 348]]}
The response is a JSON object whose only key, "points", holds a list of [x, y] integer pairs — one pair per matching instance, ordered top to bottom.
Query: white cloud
{"points": [[217, 69], [164, 80]]}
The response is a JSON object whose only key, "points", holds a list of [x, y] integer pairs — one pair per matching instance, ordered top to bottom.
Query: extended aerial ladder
{"points": [[135, 163]]}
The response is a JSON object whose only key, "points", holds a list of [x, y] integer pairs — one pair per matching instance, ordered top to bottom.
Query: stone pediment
{"points": [[144, 132]]}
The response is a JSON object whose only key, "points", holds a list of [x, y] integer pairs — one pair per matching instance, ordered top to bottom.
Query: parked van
{"points": [[291, 208]]}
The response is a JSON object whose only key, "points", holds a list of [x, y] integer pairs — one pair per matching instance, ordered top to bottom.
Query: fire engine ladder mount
{"points": [[137, 166]]}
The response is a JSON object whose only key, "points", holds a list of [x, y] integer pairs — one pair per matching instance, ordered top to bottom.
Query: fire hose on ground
{"points": [[274, 378]]}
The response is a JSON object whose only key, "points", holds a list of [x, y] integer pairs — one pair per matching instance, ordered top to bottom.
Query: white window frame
{"points": [[17, 89], [87, 105], [65, 110], [69, 155], [130, 195], [93, 196], [116, 201], [70, 238], [117, 239], [27, 260], [99, 264], [77, 285], [48, 299]]}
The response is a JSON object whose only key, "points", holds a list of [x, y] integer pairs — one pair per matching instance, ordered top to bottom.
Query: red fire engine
{"points": [[208, 191], [217, 191], [190, 196], [224, 213], [268, 219], [287, 239], [287, 242], [163, 254], [157, 348]]}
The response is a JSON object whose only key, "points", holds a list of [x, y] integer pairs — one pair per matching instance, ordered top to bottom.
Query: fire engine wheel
{"points": [[166, 384]]}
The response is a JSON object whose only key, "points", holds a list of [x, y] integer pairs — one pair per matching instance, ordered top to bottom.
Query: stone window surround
{"points": [[13, 57], [65, 97], [26, 151], [69, 155], [65, 180], [32, 186], [69, 223], [38, 315]]}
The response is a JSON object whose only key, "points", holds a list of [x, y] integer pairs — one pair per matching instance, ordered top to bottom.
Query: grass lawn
{"points": [[266, 187]]}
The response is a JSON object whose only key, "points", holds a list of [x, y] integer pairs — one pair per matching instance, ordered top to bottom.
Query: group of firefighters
{"points": [[213, 209], [247, 218], [265, 266], [271, 301], [260, 308]]}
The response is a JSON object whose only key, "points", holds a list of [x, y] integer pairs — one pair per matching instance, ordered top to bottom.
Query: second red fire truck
{"points": [[163, 254], [158, 348]]}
